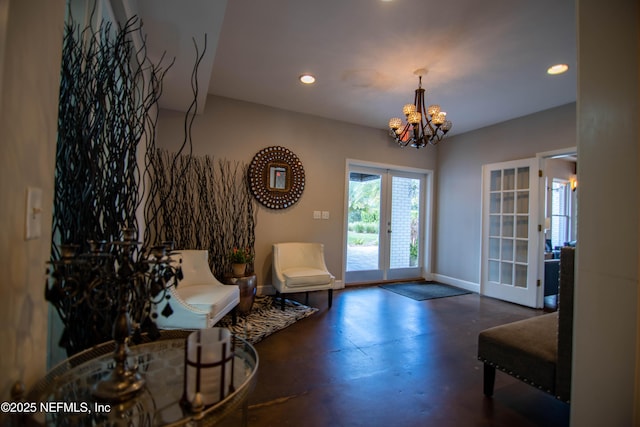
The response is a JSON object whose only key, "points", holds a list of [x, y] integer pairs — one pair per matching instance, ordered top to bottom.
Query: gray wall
{"points": [[322, 145], [459, 182]]}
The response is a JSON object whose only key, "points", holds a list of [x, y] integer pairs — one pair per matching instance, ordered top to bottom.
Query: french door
{"points": [[385, 224], [510, 232]]}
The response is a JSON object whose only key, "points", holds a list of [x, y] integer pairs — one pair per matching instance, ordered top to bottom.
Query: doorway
{"points": [[529, 206], [559, 209], [385, 224]]}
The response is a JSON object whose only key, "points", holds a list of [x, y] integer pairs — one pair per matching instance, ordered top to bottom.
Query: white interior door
{"points": [[510, 232]]}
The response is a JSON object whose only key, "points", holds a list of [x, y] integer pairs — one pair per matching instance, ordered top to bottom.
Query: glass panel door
{"points": [[509, 232], [385, 233]]}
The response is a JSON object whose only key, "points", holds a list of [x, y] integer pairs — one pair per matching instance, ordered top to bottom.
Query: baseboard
{"points": [[458, 283], [265, 290], [270, 290]]}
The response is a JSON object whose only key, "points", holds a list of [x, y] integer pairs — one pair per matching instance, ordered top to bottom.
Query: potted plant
{"points": [[239, 258]]}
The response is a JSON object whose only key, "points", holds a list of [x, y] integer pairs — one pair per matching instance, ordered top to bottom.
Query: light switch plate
{"points": [[325, 214], [317, 215], [33, 220]]}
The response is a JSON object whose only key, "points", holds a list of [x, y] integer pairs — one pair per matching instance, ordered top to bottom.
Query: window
{"points": [[560, 212]]}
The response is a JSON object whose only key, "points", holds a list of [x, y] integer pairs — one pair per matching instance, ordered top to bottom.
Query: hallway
{"points": [[380, 359]]}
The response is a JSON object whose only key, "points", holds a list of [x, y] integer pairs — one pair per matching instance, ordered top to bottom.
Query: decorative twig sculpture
{"points": [[107, 109], [212, 207]]}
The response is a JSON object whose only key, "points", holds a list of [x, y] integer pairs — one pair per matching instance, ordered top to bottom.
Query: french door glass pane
{"points": [[496, 177], [523, 178], [508, 179], [405, 201], [507, 202], [523, 202], [495, 204], [364, 220], [494, 225], [507, 226], [522, 226], [494, 248], [507, 249], [522, 250], [506, 273], [521, 276]]}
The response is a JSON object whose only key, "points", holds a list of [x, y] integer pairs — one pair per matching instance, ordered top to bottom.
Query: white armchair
{"points": [[300, 267], [199, 300]]}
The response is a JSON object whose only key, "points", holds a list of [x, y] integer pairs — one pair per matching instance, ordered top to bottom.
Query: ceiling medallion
{"points": [[424, 125], [276, 177]]}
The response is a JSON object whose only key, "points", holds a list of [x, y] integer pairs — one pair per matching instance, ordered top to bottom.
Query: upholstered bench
{"points": [[536, 350]]}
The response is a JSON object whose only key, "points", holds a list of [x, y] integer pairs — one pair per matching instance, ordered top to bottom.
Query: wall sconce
{"points": [[574, 182]]}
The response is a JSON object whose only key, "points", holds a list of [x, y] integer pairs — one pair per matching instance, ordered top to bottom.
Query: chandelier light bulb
{"points": [[408, 109], [433, 110], [414, 118], [439, 118], [395, 123]]}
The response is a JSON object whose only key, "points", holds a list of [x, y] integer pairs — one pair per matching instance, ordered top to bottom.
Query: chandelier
{"points": [[423, 125]]}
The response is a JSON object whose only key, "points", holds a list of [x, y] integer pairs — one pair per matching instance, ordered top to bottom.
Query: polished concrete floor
{"points": [[380, 359]]}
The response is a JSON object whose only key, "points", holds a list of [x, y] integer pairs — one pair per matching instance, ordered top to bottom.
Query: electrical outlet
{"points": [[325, 214], [317, 215]]}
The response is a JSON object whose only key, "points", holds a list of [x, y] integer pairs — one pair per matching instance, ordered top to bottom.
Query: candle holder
{"points": [[114, 280]]}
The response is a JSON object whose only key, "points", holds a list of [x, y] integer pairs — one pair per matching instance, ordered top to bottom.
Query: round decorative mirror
{"points": [[276, 177]]}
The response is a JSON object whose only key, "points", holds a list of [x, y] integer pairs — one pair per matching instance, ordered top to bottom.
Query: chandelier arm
{"points": [[401, 138]]}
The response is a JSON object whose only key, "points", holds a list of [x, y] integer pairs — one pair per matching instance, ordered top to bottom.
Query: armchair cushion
{"points": [[304, 276], [207, 297]]}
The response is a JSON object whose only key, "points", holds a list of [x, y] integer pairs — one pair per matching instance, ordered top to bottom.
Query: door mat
{"points": [[421, 291]]}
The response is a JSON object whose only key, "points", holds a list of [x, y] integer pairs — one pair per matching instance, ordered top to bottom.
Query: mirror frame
{"points": [[259, 176]]}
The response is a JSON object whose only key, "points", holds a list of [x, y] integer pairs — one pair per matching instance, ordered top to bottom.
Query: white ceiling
{"points": [[487, 60]]}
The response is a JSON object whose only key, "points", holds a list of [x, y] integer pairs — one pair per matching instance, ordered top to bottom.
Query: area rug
{"points": [[421, 291], [265, 318]]}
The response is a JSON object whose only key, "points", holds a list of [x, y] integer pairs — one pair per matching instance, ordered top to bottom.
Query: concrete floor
{"points": [[380, 359]]}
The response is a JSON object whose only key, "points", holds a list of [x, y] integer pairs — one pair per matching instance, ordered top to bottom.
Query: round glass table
{"points": [[63, 397]]}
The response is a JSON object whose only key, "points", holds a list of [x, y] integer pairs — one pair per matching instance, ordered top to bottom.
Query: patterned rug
{"points": [[265, 318]]}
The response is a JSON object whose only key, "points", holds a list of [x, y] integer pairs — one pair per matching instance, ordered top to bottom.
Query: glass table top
{"points": [[161, 363]]}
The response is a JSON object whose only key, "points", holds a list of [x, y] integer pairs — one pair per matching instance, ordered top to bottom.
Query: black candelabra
{"points": [[115, 284]]}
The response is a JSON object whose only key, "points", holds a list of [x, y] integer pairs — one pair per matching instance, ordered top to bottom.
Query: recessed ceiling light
{"points": [[557, 69], [307, 79]]}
